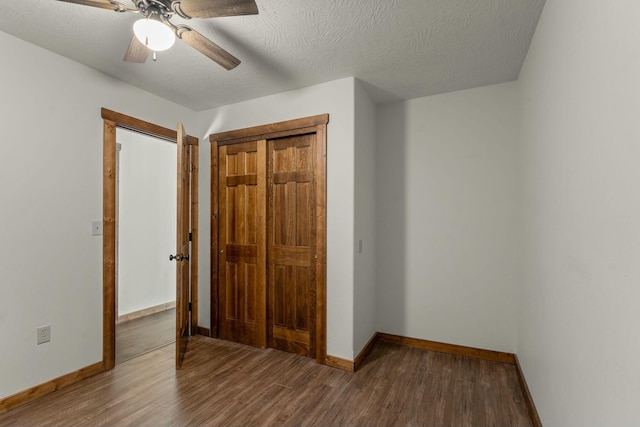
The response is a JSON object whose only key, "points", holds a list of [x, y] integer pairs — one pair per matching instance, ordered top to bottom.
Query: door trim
{"points": [[113, 120], [313, 124]]}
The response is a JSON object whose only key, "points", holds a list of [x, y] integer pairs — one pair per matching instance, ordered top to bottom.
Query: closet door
{"points": [[291, 240], [242, 243], [268, 246]]}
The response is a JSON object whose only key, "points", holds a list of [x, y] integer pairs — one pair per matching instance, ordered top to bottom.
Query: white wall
{"points": [[337, 99], [51, 175], [580, 186], [446, 217], [147, 221], [364, 322]]}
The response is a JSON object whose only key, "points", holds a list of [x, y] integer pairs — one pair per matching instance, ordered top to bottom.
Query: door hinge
{"points": [[190, 237], [189, 306]]}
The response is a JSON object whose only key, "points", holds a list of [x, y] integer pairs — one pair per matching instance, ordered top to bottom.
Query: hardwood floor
{"points": [[144, 334], [224, 383]]}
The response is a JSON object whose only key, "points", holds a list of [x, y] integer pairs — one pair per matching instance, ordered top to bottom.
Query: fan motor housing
{"points": [[162, 4]]}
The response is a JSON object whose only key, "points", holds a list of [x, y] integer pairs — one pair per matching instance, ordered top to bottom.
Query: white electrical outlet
{"points": [[44, 334]]}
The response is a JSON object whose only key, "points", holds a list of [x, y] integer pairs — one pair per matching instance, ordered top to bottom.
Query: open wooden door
{"points": [[182, 256]]}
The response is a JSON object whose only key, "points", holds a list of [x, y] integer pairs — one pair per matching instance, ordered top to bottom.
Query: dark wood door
{"points": [[242, 243], [292, 244], [182, 256], [268, 260]]}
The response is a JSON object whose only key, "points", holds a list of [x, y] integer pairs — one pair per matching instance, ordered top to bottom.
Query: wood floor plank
{"points": [[224, 383]]}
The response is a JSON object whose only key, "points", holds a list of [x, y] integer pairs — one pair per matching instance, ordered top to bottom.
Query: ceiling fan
{"points": [[155, 31]]}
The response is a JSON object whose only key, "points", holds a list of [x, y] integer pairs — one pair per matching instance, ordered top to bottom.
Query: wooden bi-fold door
{"points": [[242, 243], [291, 244], [269, 257]]}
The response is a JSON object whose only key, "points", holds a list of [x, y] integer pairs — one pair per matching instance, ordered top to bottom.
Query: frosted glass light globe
{"points": [[154, 34]]}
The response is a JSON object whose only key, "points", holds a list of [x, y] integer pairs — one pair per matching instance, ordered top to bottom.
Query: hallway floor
{"points": [[139, 336]]}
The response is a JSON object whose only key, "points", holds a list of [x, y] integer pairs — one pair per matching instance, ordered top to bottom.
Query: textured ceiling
{"points": [[401, 49]]}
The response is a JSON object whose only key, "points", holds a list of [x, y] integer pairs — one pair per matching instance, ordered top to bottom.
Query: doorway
{"points": [[145, 234], [268, 243], [186, 249]]}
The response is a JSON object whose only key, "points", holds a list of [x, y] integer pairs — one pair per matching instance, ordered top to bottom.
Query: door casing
{"points": [[111, 121], [314, 124]]}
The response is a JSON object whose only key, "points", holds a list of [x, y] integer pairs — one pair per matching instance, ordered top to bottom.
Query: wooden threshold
{"points": [[45, 388], [533, 412]]}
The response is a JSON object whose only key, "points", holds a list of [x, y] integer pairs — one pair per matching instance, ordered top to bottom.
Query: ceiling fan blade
{"points": [[103, 4], [216, 8], [208, 48], [137, 52]]}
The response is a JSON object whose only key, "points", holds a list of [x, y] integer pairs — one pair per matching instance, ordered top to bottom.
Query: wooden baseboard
{"points": [[147, 311], [203, 331], [458, 350], [365, 352], [338, 362], [348, 365], [38, 391], [533, 412]]}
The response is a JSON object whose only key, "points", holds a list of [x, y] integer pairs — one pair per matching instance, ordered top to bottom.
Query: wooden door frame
{"points": [[111, 121], [314, 124]]}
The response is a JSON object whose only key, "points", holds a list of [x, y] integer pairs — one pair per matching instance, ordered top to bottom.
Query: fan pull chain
{"points": [[146, 43]]}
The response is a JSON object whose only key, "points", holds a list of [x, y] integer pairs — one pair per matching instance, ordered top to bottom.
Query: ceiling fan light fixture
{"points": [[154, 34]]}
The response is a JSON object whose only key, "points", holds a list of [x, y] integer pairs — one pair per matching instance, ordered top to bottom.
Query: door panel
{"points": [[242, 243], [292, 244], [183, 260]]}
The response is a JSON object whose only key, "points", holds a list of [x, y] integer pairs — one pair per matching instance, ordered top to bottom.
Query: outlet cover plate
{"points": [[96, 228], [44, 334]]}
